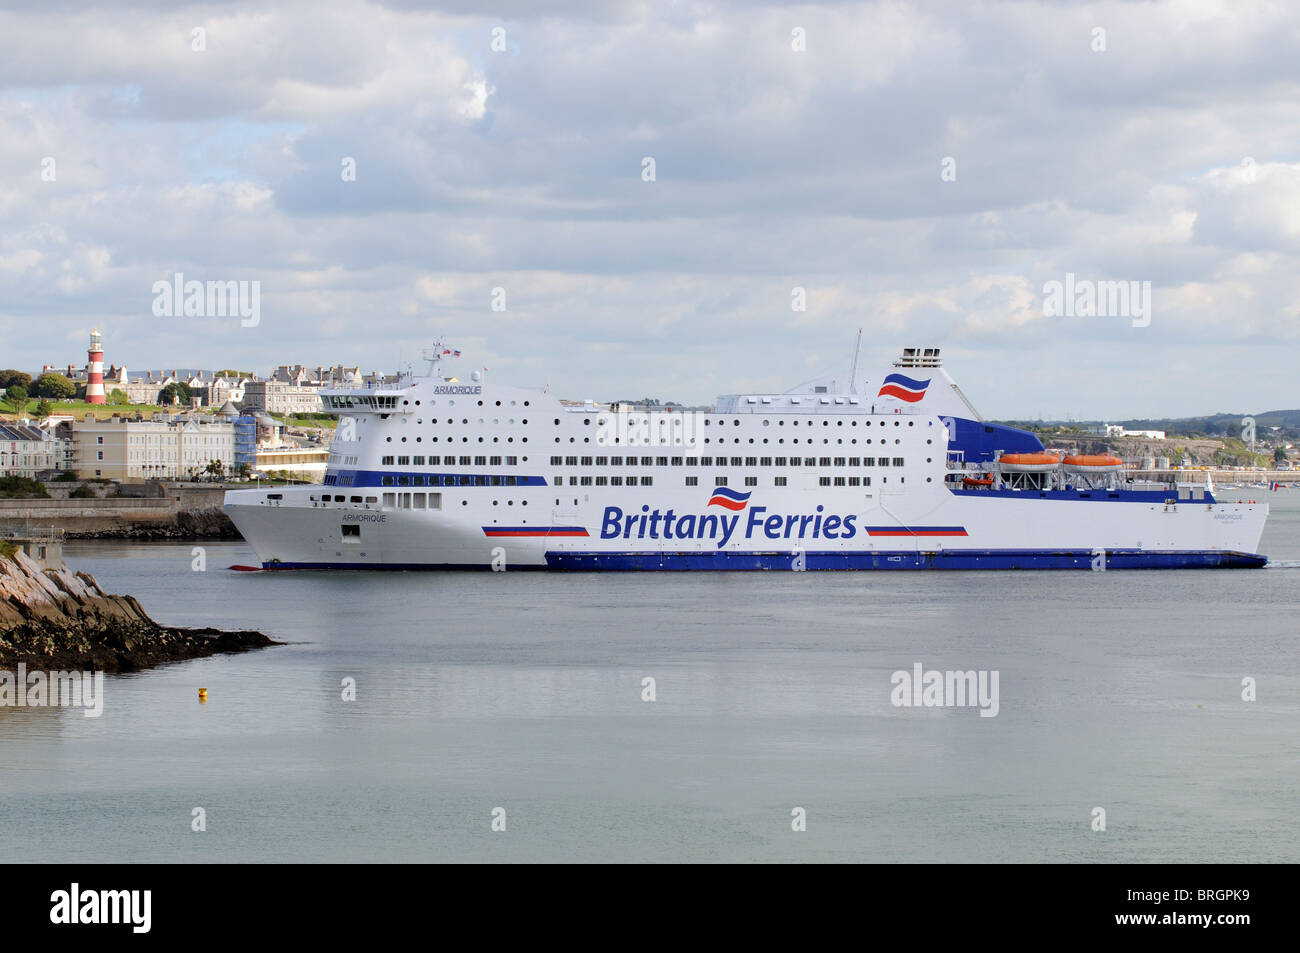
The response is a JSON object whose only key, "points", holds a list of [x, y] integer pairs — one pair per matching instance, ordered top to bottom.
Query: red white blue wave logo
{"points": [[903, 387], [729, 498]]}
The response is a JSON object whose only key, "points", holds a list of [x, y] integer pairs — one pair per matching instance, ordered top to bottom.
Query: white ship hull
{"points": [[994, 533]]}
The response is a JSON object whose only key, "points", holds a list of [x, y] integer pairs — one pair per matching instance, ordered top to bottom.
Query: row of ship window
{"points": [[677, 422], [676, 440], [449, 461], [575, 461], [723, 461], [450, 480], [558, 480], [717, 481]]}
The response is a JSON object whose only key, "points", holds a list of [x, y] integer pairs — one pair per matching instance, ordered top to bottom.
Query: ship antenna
{"points": [[853, 374]]}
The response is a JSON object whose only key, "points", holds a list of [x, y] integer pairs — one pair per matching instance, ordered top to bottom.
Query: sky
{"points": [[390, 173]]}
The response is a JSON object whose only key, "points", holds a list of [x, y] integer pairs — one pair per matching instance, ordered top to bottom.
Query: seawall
{"points": [[181, 512]]}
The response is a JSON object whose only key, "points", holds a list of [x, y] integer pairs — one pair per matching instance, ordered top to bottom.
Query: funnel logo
{"points": [[903, 387], [731, 499]]}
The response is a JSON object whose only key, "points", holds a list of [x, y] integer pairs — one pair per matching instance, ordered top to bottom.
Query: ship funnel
{"points": [[919, 357]]}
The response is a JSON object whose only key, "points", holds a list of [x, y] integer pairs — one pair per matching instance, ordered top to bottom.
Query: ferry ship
{"points": [[890, 469]]}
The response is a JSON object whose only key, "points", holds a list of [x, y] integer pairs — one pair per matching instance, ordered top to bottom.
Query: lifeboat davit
{"points": [[1029, 462], [1094, 463]]}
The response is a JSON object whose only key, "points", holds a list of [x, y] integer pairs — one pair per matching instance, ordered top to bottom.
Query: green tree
{"points": [[12, 378], [55, 386], [175, 393], [117, 396], [17, 397], [44, 408], [1279, 455], [215, 469], [16, 487]]}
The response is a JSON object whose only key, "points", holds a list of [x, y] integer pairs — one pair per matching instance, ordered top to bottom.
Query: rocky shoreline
{"points": [[58, 619]]}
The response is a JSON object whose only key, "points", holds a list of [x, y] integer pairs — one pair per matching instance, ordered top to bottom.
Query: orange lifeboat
{"points": [[1029, 462], [1094, 463], [977, 481]]}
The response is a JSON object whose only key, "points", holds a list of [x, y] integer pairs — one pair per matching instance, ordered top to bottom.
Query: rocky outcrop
{"points": [[58, 619]]}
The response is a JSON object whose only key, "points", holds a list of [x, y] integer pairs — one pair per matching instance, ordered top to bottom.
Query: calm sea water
{"points": [[523, 691]]}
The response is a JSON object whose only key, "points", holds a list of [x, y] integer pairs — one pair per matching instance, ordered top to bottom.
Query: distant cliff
{"points": [[58, 619]]}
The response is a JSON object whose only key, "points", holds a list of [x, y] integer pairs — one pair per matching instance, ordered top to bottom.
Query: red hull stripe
{"points": [[534, 531], [916, 531]]}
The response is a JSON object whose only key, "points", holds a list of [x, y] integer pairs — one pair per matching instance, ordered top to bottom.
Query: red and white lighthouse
{"points": [[95, 369]]}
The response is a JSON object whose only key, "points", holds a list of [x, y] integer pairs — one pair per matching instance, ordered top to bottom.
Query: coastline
{"points": [[57, 619]]}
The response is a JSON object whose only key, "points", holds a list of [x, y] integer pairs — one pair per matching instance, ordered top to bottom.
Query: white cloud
{"points": [[776, 168]]}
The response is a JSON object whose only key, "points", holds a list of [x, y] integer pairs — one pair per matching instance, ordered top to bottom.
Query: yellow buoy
{"points": [[203, 695]]}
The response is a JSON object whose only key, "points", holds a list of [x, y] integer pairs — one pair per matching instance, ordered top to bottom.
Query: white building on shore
{"points": [[134, 449], [32, 451]]}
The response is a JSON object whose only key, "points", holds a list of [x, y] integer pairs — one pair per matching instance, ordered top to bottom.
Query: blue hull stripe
{"points": [[363, 479], [1103, 495], [944, 559], [828, 560]]}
